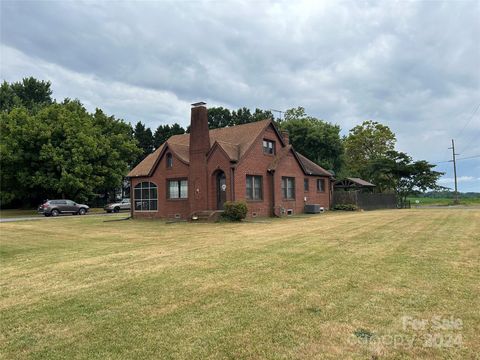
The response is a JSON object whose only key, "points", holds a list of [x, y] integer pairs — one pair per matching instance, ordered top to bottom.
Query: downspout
{"points": [[272, 176], [232, 182], [131, 198]]}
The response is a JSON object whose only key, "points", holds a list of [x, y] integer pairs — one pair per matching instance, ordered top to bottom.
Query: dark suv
{"points": [[57, 207]]}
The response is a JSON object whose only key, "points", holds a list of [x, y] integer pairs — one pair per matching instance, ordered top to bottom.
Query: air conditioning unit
{"points": [[313, 209]]}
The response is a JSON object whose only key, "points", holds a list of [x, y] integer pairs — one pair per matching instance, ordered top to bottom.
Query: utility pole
{"points": [[279, 112], [454, 171]]}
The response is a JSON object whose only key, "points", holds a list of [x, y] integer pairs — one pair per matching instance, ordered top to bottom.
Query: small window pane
{"points": [[268, 147], [169, 160], [321, 185], [249, 187], [253, 187], [258, 187], [288, 188], [173, 189], [184, 189], [153, 193], [153, 204]]}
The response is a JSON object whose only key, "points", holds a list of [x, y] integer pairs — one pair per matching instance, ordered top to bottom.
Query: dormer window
{"points": [[268, 147], [169, 161]]}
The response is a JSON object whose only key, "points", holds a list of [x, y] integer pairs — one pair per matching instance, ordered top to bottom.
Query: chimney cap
{"points": [[201, 103]]}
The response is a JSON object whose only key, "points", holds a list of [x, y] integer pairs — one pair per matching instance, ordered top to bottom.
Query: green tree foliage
{"points": [[31, 93], [219, 117], [163, 132], [145, 140], [318, 140], [364, 143], [61, 150], [396, 171]]}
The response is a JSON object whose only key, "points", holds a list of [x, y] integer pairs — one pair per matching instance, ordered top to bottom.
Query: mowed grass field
{"points": [[335, 286]]}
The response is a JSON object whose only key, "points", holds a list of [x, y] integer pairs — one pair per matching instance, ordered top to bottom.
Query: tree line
{"points": [[53, 149]]}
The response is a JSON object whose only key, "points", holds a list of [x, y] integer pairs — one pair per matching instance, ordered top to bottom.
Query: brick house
{"points": [[198, 172]]}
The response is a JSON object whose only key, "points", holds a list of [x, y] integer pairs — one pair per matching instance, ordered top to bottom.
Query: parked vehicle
{"points": [[57, 207], [116, 207]]}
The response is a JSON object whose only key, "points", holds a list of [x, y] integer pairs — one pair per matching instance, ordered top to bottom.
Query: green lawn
{"points": [[297, 288]]}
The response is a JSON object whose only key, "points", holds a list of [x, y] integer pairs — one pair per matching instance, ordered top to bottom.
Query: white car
{"points": [[116, 207]]}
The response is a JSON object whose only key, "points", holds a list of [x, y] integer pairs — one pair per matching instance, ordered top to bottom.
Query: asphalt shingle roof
{"points": [[234, 140]]}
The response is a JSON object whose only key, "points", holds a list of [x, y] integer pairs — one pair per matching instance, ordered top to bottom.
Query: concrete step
{"points": [[206, 215]]}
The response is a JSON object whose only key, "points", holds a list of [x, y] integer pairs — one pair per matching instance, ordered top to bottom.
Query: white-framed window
{"points": [[268, 147], [254, 187], [288, 188], [177, 189], [146, 196]]}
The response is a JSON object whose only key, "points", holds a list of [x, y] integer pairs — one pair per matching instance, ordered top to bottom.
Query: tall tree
{"points": [[31, 93], [260, 115], [242, 116], [219, 117], [176, 129], [163, 132], [144, 137], [316, 139], [365, 143], [62, 151], [396, 171]]}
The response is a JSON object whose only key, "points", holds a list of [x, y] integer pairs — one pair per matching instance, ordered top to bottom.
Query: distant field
{"points": [[443, 201], [336, 286]]}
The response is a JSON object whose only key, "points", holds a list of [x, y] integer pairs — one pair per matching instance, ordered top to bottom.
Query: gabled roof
{"points": [[235, 141], [147, 164], [311, 168], [361, 182], [353, 183]]}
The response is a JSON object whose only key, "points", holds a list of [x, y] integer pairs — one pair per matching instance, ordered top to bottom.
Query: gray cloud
{"points": [[411, 65]]}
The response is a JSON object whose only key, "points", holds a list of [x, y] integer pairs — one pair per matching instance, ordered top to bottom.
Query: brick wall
{"points": [[257, 163], [166, 208]]}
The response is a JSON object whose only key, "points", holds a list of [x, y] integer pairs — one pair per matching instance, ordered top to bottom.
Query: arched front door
{"points": [[221, 182]]}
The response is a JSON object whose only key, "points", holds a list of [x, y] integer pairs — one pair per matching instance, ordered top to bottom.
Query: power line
{"points": [[470, 119], [468, 122], [471, 141], [469, 157], [465, 158]]}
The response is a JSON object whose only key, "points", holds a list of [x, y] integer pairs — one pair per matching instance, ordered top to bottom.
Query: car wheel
{"points": [[116, 210], [82, 211], [55, 212]]}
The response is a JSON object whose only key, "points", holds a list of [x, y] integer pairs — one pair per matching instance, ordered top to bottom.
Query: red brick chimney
{"points": [[286, 137], [199, 146]]}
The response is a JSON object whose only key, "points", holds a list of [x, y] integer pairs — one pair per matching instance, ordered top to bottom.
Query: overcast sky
{"points": [[414, 66]]}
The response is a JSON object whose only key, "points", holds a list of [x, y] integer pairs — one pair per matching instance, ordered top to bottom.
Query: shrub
{"points": [[345, 207], [235, 210]]}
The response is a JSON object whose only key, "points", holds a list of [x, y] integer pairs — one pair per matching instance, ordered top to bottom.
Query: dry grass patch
{"points": [[297, 288]]}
